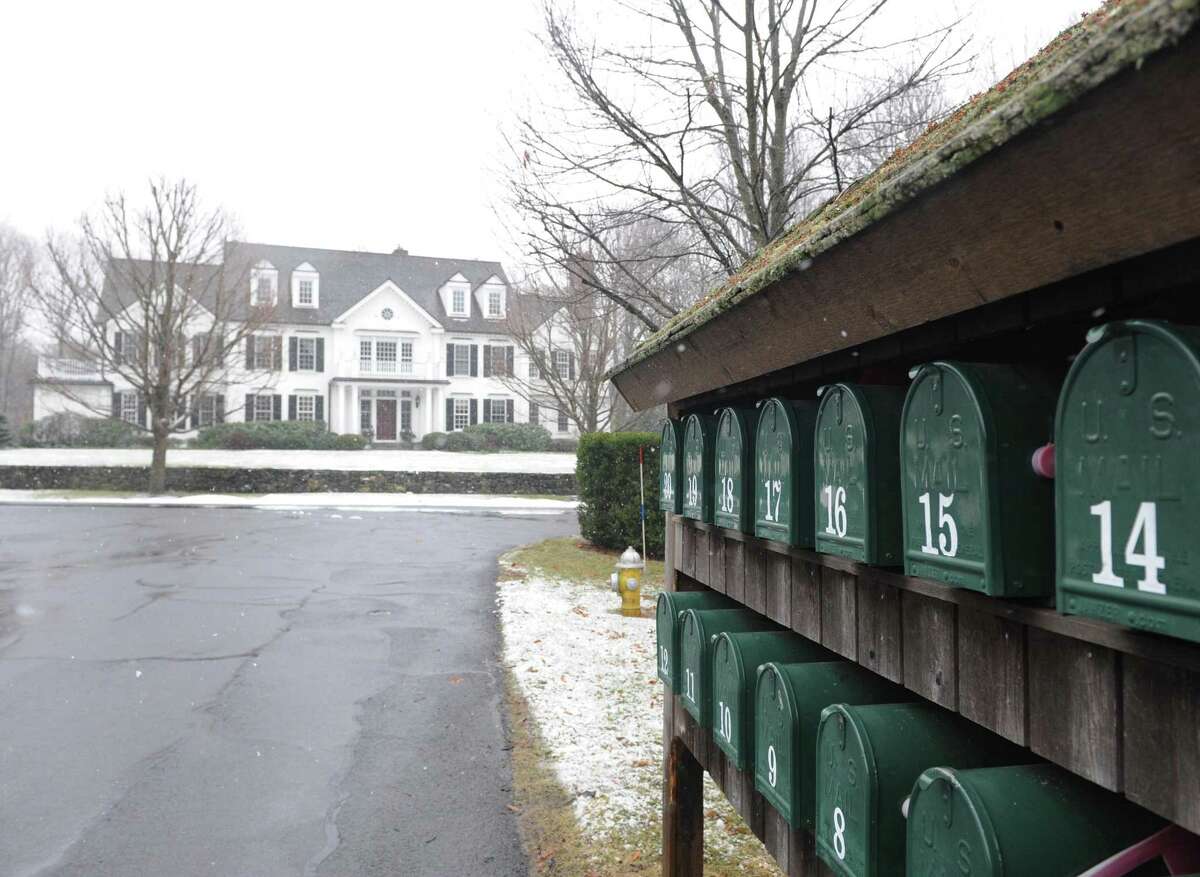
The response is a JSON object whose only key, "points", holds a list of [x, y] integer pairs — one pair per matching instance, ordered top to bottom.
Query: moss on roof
{"points": [[1119, 35]]}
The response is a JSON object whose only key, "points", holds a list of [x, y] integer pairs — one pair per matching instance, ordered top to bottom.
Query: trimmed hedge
{"points": [[67, 430], [278, 435], [490, 437], [564, 445], [607, 472]]}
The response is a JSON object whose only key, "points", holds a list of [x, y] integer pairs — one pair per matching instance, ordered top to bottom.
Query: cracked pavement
{"points": [[254, 692]]}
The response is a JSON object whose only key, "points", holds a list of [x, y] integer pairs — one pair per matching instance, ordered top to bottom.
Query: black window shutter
{"points": [[118, 342], [293, 345], [197, 349], [220, 351], [249, 351], [277, 353], [509, 355], [320, 357], [474, 360], [449, 361], [487, 361], [571, 370], [116, 406], [292, 406], [319, 408], [474, 409], [141, 410], [509, 411], [195, 412], [248, 412], [533, 412], [277, 413], [449, 415], [220, 418]]}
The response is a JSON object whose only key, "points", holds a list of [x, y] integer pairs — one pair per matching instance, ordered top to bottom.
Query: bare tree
{"points": [[723, 127], [18, 261], [149, 293]]}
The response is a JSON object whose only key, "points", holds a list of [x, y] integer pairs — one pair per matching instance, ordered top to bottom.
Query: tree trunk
{"points": [[158, 464]]}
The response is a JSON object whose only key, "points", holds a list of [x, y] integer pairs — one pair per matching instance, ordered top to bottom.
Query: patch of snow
{"points": [[297, 503]]}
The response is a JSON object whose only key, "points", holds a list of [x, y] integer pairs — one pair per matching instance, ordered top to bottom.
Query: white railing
{"points": [[63, 368], [385, 368]]}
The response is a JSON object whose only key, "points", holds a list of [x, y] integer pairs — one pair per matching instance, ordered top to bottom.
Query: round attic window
{"points": [[387, 313]]}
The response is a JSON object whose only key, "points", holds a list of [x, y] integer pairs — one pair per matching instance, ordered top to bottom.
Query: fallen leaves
{"points": [[456, 680]]}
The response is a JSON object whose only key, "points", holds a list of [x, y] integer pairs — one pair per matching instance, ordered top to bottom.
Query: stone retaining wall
{"points": [[196, 479]]}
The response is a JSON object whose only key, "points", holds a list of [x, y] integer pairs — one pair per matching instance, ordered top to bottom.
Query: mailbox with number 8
{"points": [[699, 442], [670, 467], [733, 469], [783, 471], [858, 473], [1127, 478], [975, 513], [668, 625], [700, 629], [736, 659], [788, 701]]}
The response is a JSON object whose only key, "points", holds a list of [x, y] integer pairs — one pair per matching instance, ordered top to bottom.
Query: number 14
{"points": [[1145, 530]]}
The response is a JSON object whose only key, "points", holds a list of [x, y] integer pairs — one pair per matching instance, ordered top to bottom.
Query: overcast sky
{"points": [[348, 125]]}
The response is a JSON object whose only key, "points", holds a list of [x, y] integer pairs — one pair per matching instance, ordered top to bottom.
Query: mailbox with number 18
{"points": [[733, 469], [1128, 476], [975, 513]]}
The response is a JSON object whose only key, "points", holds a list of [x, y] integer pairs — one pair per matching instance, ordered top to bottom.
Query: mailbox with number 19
{"points": [[699, 442], [1128, 476], [975, 513]]}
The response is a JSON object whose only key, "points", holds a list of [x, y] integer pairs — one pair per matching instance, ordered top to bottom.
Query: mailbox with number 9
{"points": [[699, 442], [670, 467], [783, 471], [858, 473], [1127, 476], [975, 513]]}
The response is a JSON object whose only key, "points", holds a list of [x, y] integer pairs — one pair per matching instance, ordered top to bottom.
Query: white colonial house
{"points": [[387, 343]]}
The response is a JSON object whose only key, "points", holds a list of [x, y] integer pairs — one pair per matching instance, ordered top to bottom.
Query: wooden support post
{"points": [[683, 812]]}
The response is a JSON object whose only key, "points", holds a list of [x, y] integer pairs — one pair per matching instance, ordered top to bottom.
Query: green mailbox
{"points": [[699, 441], [670, 467], [783, 471], [858, 473], [733, 475], [1127, 480], [975, 514], [668, 626], [700, 629], [736, 659], [788, 701], [868, 758], [1004, 821]]}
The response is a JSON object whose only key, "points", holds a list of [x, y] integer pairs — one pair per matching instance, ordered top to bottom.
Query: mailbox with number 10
{"points": [[1128, 476], [975, 513]]}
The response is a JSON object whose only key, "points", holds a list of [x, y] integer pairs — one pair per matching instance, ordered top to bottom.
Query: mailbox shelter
{"points": [[975, 263]]}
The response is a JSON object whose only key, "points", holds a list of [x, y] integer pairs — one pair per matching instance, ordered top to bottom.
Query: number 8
{"points": [[839, 832]]}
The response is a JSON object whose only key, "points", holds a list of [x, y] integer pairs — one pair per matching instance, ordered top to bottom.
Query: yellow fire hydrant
{"points": [[626, 581]]}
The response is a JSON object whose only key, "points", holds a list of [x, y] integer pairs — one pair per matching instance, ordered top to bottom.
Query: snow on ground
{"points": [[349, 461], [375, 502], [589, 677]]}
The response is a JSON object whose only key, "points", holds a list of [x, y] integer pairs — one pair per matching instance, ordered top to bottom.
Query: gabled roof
{"points": [[1118, 37], [349, 276], [198, 280]]}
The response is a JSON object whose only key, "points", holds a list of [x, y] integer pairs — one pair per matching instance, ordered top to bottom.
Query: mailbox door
{"points": [[783, 453], [670, 467], [733, 470], [858, 473], [1128, 479], [697, 502], [667, 626], [700, 627], [736, 659], [785, 755], [868, 758], [1003, 821]]}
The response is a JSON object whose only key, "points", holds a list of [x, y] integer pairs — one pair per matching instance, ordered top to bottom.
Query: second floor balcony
{"points": [[68, 369]]}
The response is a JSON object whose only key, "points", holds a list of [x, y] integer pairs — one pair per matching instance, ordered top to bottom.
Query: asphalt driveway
{"points": [[253, 692]]}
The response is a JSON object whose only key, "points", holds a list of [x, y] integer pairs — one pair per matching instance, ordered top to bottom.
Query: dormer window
{"points": [[264, 284], [305, 286], [458, 302], [495, 303]]}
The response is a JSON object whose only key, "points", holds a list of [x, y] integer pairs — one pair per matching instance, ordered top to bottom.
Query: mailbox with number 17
{"points": [[783, 471], [1128, 476], [975, 513]]}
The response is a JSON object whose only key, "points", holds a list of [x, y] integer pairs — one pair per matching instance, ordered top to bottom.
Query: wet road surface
{"points": [[253, 692]]}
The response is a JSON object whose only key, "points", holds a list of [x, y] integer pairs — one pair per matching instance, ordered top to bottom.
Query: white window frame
{"points": [[262, 273], [305, 273], [305, 292], [495, 301], [458, 306], [303, 344], [264, 351], [464, 351], [366, 354], [406, 356], [562, 364], [386, 365], [534, 372], [129, 406], [306, 406], [462, 409], [491, 410], [206, 411], [264, 413], [564, 422]]}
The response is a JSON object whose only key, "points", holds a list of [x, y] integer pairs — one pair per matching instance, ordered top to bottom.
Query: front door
{"points": [[385, 420]]}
